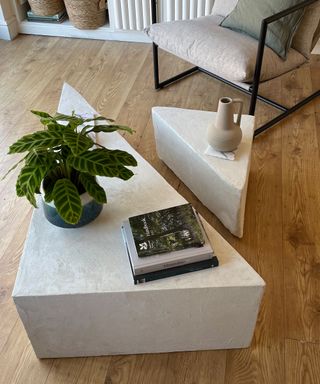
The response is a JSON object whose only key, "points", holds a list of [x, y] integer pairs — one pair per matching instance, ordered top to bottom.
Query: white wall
{"points": [[9, 27]]}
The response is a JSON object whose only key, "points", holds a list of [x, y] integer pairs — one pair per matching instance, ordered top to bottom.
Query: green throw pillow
{"points": [[247, 17]]}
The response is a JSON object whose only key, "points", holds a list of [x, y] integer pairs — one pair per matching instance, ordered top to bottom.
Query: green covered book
{"points": [[166, 230]]}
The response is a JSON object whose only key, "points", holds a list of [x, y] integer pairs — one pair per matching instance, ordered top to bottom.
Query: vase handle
{"points": [[240, 102]]}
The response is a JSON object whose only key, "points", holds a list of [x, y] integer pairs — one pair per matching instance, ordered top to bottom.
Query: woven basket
{"points": [[46, 7], [86, 14]]}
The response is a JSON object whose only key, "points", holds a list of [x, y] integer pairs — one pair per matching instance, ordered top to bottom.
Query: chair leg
{"points": [[156, 65], [257, 70], [256, 81], [162, 84], [253, 103], [285, 114]]}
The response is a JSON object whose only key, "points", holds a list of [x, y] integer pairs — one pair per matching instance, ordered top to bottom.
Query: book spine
{"points": [[172, 263], [175, 271]]}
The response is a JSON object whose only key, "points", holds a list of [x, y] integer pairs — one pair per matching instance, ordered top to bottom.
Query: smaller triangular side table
{"points": [[221, 185]]}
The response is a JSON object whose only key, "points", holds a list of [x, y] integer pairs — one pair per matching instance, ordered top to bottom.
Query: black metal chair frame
{"points": [[253, 90]]}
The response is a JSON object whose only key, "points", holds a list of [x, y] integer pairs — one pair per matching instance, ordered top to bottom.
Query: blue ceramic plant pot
{"points": [[90, 211]]}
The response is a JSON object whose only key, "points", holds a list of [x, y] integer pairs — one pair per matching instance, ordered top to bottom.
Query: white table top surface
{"points": [[192, 125]]}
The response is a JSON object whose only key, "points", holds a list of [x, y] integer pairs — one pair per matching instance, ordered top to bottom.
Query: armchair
{"points": [[234, 58]]}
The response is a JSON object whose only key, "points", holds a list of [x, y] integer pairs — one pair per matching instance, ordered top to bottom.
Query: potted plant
{"points": [[63, 160]]}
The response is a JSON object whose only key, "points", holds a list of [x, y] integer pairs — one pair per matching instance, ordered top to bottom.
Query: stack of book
{"points": [[58, 18], [166, 243]]}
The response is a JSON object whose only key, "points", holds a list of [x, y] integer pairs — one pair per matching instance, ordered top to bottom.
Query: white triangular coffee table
{"points": [[221, 185], [75, 294]]}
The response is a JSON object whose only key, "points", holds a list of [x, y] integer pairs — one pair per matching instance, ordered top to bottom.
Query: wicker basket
{"points": [[46, 7], [86, 14]]}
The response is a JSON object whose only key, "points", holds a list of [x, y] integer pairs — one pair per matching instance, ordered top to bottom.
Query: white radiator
{"points": [[136, 14]]}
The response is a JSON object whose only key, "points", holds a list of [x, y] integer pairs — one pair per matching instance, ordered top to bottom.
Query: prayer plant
{"points": [[65, 159]]}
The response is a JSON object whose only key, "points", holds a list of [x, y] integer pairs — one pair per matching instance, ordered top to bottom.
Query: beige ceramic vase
{"points": [[225, 134]]}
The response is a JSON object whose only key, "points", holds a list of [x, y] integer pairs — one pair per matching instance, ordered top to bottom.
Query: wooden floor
{"points": [[282, 226]]}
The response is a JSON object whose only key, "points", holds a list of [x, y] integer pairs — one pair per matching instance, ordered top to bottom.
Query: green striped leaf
{"points": [[41, 114], [99, 118], [74, 119], [46, 120], [53, 126], [112, 128], [85, 129], [40, 139], [77, 142], [65, 152], [122, 157], [33, 158], [36, 158], [99, 163], [13, 167], [125, 173], [31, 176], [29, 181], [49, 181], [93, 188], [48, 191], [20, 192], [30, 196], [32, 200], [67, 201]]}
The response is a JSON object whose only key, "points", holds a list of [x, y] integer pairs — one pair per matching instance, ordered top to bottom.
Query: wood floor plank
{"points": [[26, 60], [315, 76], [117, 80], [301, 204], [9, 258], [302, 362], [18, 363], [203, 367], [121, 369], [150, 369], [94, 370], [66, 371]]}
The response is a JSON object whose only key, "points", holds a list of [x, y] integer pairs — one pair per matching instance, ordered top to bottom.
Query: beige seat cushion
{"points": [[226, 53]]}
